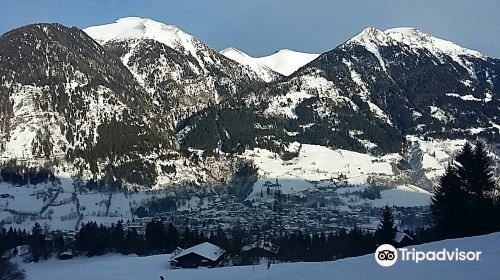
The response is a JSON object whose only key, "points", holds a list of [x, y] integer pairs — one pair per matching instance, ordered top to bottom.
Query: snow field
{"points": [[132, 267]]}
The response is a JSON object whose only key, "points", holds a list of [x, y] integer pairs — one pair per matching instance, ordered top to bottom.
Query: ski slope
{"points": [[132, 267]]}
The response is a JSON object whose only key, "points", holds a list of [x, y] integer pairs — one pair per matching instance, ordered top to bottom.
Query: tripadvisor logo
{"points": [[387, 255]]}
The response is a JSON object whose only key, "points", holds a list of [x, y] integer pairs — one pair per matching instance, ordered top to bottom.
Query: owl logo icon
{"points": [[386, 255]]}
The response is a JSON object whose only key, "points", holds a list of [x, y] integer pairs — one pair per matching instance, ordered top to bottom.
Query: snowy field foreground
{"points": [[365, 267]]}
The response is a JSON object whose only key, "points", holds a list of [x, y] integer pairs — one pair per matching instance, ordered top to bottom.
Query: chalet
{"points": [[254, 253], [202, 255]]}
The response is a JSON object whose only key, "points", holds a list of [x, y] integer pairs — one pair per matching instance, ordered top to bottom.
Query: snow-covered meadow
{"points": [[318, 166], [132, 267]]}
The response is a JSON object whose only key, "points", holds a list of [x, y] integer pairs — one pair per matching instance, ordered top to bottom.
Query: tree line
{"points": [[22, 175], [94, 240]]}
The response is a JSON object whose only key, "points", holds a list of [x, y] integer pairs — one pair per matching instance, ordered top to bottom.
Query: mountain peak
{"points": [[133, 19], [138, 28], [371, 35], [415, 38], [372, 39], [231, 50], [283, 61], [286, 61], [263, 71]]}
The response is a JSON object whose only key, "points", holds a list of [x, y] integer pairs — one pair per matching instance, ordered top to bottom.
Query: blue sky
{"points": [[260, 27]]}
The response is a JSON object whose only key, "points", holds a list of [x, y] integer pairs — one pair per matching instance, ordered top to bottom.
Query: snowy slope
{"points": [[144, 28], [136, 29], [372, 38], [411, 38], [415, 38], [287, 61], [284, 62], [180, 72], [264, 72], [318, 166], [133, 267]]}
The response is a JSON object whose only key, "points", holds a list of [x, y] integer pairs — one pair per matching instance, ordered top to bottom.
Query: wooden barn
{"points": [[202, 255]]}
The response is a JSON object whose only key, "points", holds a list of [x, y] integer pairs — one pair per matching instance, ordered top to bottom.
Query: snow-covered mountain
{"points": [[416, 40], [287, 61], [284, 62], [264, 72], [182, 74], [401, 78], [65, 98], [69, 104], [148, 105]]}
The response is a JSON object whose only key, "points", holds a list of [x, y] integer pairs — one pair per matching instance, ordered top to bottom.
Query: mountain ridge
{"points": [[284, 61], [367, 95], [118, 125]]}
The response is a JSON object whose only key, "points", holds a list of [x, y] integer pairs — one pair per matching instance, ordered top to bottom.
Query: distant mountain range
{"points": [[284, 62], [147, 104]]}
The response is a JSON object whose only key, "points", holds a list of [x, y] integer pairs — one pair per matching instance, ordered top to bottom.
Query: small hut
{"points": [[202, 255]]}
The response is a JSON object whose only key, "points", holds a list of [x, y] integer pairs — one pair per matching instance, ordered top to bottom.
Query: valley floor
{"points": [[364, 267]]}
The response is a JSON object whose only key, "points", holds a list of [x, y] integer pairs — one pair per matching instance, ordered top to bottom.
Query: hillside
{"points": [[182, 74], [119, 115], [364, 267]]}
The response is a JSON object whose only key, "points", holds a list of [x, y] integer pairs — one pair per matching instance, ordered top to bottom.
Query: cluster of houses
{"points": [[209, 255]]}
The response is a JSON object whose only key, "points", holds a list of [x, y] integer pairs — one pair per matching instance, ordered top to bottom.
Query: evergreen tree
{"points": [[483, 185], [481, 193], [464, 202], [448, 205], [386, 231], [155, 233], [117, 238], [171, 238], [93, 239], [37, 243], [134, 243]]}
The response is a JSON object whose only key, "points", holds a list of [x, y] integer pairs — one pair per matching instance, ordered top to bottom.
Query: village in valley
{"points": [[311, 211], [265, 216]]}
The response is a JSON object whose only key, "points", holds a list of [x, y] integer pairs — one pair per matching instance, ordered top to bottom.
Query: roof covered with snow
{"points": [[268, 246], [206, 250]]}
